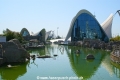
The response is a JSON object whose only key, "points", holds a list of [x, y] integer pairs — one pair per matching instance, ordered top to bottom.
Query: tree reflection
{"points": [[116, 69], [14, 72]]}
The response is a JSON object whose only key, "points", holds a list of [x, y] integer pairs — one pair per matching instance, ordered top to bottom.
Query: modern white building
{"points": [[85, 26], [107, 26], [47, 34], [41, 35]]}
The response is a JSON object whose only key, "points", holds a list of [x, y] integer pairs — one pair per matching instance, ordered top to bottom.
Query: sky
{"points": [[55, 15]]}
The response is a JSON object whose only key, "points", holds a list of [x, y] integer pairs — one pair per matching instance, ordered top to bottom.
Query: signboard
{"points": [[2, 38]]}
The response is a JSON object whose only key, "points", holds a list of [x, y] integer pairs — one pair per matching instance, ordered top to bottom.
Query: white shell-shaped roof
{"points": [[107, 26]]}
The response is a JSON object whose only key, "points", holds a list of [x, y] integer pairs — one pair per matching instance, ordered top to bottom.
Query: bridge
{"points": [[54, 40]]}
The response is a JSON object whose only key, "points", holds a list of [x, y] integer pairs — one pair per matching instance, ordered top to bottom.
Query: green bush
{"points": [[12, 35], [117, 38]]}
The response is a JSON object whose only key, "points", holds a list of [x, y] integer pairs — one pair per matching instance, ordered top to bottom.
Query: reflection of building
{"points": [[84, 25], [41, 35], [107, 65], [81, 66], [111, 67], [116, 69]]}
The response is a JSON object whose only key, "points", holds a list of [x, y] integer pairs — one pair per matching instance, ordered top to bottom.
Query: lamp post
{"points": [[57, 31]]}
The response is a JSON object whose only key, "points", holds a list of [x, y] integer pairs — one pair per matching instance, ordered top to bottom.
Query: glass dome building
{"points": [[85, 26], [25, 32]]}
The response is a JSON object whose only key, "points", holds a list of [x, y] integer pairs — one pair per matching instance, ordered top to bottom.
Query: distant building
{"points": [[85, 26], [25, 32], [47, 35], [40, 36], [2, 38]]}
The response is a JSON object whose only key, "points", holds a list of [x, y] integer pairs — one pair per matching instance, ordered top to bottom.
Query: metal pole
{"points": [[57, 31]]}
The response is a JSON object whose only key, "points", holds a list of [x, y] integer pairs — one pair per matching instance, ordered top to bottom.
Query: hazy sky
{"points": [[50, 14]]}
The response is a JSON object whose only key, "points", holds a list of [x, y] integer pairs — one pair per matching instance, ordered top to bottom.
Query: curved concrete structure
{"points": [[106, 26], [37, 34], [40, 34], [47, 34], [43, 35]]}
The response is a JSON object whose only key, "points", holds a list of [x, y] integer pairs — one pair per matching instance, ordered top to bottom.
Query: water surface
{"points": [[67, 65]]}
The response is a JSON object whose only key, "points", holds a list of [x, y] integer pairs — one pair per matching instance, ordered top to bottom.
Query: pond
{"points": [[67, 65]]}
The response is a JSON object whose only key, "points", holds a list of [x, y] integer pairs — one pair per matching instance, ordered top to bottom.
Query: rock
{"points": [[109, 47], [12, 51], [78, 51], [55, 55], [32, 56], [44, 56], [90, 56], [10, 66]]}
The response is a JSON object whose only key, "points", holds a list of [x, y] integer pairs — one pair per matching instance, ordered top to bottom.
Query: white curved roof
{"points": [[107, 25], [36, 34], [47, 34]]}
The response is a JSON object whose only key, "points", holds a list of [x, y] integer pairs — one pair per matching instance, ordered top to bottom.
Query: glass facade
{"points": [[86, 27], [25, 33]]}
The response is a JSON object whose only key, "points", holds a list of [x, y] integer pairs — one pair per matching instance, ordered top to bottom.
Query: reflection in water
{"points": [[61, 49], [47, 50], [33, 62], [66, 63], [107, 65], [81, 66], [112, 69], [116, 69], [14, 72]]}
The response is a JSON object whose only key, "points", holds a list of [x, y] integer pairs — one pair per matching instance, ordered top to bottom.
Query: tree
{"points": [[12, 35], [18, 36], [58, 37], [117, 38]]}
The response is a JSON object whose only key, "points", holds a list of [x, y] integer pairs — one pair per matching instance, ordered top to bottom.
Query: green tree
{"points": [[12, 35], [18, 36], [58, 37], [117, 38]]}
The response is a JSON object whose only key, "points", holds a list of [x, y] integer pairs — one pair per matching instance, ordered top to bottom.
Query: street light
{"points": [[57, 31]]}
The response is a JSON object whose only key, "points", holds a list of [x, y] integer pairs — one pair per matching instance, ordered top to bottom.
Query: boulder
{"points": [[12, 51], [44, 56], [90, 56]]}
